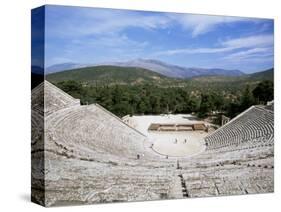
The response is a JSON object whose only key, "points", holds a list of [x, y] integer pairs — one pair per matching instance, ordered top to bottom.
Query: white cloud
{"points": [[88, 22], [201, 24], [104, 30], [113, 41], [251, 43], [111, 46], [256, 49], [192, 51], [250, 53]]}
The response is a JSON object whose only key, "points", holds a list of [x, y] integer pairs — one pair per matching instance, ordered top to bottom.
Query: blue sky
{"points": [[92, 36]]}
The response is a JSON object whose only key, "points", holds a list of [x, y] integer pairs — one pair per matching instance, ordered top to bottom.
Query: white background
{"points": [[15, 103]]}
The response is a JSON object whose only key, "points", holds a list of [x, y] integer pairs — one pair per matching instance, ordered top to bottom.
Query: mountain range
{"points": [[65, 66], [168, 70], [107, 75], [112, 75]]}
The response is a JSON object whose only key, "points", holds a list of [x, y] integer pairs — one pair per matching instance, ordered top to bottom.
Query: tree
{"points": [[72, 87], [264, 91], [106, 98], [148, 98], [247, 99], [218, 101], [155, 104], [194, 104], [206, 105], [141, 108], [233, 109]]}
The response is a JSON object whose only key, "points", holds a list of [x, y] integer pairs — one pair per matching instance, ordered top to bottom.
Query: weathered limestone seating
{"points": [[37, 99], [55, 99], [111, 114], [37, 117], [37, 122], [89, 127], [252, 127], [80, 139], [37, 141], [91, 156], [238, 160], [239, 171], [228, 180], [93, 182]]}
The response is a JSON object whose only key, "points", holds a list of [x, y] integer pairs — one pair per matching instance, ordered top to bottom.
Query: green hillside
{"points": [[109, 75], [113, 75], [258, 76], [230, 83], [126, 90]]}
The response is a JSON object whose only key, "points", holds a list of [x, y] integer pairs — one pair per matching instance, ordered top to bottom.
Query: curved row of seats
{"points": [[37, 99], [55, 99], [256, 123], [37, 126], [91, 128], [91, 156], [238, 160], [229, 180], [102, 183]]}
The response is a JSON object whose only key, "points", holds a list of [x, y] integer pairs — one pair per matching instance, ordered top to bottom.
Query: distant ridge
{"points": [[64, 66], [168, 70], [175, 71], [109, 75], [118, 75], [262, 75], [254, 77]]}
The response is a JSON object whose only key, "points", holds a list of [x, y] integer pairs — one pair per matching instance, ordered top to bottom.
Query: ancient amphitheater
{"points": [[85, 154]]}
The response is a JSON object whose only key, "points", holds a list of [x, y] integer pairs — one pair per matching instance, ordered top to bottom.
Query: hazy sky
{"points": [[90, 35]]}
